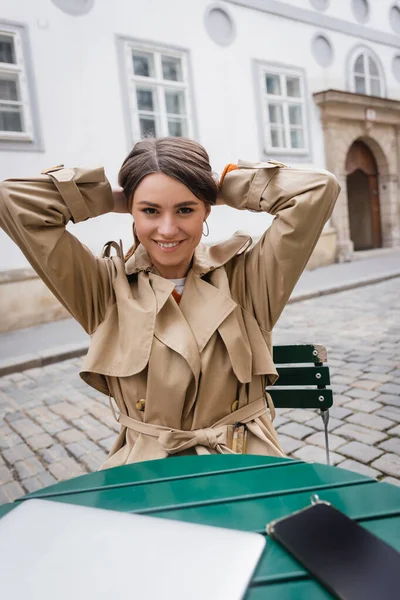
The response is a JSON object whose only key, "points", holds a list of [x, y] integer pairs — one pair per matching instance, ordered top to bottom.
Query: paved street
{"points": [[55, 427]]}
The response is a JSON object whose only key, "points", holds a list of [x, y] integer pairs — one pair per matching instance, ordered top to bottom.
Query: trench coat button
{"points": [[140, 404], [234, 405]]}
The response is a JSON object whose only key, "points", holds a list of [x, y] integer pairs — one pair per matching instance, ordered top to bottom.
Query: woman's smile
{"points": [[169, 246]]}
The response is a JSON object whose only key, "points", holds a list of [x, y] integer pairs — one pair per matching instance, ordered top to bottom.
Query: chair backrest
{"points": [[302, 377]]}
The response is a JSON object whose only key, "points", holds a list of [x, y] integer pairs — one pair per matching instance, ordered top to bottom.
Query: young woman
{"points": [[181, 332]]}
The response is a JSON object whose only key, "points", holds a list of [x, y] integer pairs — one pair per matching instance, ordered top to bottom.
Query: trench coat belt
{"points": [[214, 437]]}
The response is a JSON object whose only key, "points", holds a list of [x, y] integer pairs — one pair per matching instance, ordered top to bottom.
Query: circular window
{"points": [[320, 4], [74, 7], [360, 10], [394, 18], [220, 26], [322, 51], [396, 67]]}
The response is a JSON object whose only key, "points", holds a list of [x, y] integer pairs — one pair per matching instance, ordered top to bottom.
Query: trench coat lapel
{"points": [[207, 305], [204, 307], [170, 326], [172, 329], [233, 332], [136, 339], [121, 345], [238, 346]]}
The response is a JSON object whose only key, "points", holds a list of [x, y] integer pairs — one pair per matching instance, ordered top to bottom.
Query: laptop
{"points": [[56, 550]]}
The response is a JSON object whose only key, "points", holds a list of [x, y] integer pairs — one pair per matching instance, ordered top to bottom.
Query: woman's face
{"points": [[169, 223]]}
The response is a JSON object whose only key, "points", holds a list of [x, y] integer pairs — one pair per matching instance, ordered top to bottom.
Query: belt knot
{"points": [[206, 437], [174, 441]]}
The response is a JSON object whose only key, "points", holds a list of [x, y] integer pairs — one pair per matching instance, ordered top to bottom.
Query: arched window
{"points": [[366, 75]]}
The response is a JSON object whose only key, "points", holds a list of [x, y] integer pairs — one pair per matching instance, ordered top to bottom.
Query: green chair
{"points": [[302, 381]]}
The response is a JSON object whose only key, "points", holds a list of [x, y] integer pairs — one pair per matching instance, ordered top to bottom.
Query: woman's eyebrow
{"points": [[187, 203], [153, 204], [178, 205]]}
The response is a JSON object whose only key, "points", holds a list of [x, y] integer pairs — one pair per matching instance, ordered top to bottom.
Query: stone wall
{"points": [[325, 251], [26, 301]]}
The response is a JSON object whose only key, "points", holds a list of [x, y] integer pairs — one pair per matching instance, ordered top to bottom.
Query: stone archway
{"points": [[375, 122], [363, 197]]}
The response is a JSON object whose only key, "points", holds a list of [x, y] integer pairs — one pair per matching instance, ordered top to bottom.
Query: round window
{"points": [[320, 4], [74, 7], [360, 10], [394, 18], [220, 26], [322, 51], [396, 67]]}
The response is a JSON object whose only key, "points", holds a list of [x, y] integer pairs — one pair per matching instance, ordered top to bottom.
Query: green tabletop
{"points": [[240, 492]]}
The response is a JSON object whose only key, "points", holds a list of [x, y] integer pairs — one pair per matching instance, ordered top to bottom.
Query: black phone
{"points": [[351, 562]]}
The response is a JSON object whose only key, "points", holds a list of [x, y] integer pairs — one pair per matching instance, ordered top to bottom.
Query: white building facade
{"points": [[313, 83]]}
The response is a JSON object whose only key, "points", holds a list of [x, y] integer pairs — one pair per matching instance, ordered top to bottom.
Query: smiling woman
{"points": [[170, 190], [169, 223], [181, 333]]}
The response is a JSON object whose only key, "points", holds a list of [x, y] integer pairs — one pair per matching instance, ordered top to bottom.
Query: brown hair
{"points": [[178, 157]]}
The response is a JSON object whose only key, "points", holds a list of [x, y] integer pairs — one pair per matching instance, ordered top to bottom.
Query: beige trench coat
{"points": [[179, 375]]}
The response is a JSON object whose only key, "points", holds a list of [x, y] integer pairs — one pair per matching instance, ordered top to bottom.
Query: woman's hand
{"points": [[120, 201]]}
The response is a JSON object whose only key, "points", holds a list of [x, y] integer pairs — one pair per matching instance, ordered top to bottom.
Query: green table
{"points": [[240, 492]]}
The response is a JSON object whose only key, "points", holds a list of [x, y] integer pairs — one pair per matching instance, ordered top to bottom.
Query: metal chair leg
{"points": [[325, 419]]}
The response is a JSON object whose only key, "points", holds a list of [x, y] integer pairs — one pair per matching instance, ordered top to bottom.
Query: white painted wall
{"points": [[342, 9], [80, 97]]}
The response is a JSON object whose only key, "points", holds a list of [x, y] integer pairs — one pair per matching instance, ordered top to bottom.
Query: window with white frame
{"points": [[366, 75], [159, 91], [283, 104], [15, 117]]}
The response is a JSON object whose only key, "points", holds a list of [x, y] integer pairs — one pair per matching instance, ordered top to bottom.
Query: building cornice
{"points": [[323, 21], [336, 104]]}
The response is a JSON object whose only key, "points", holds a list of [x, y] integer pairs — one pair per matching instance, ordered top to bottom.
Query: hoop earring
{"points": [[208, 229], [135, 236]]}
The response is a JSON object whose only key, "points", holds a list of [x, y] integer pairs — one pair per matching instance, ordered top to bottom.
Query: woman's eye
{"points": [[185, 210], [149, 211]]}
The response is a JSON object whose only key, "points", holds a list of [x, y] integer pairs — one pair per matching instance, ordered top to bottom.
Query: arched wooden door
{"points": [[363, 197]]}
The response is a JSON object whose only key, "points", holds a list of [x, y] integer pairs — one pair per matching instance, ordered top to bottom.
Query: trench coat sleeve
{"points": [[301, 202], [34, 212]]}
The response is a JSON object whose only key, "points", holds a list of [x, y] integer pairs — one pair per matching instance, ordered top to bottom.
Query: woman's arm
{"points": [[301, 202], [34, 213]]}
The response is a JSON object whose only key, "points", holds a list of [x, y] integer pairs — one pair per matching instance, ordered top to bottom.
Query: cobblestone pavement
{"points": [[55, 427]]}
